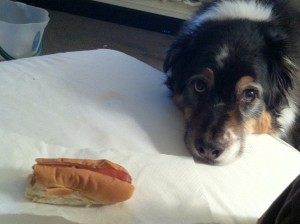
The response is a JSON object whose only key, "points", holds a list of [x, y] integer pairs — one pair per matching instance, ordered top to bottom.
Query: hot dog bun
{"points": [[79, 182]]}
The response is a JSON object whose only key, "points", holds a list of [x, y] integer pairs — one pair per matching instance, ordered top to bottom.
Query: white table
{"points": [[106, 101]]}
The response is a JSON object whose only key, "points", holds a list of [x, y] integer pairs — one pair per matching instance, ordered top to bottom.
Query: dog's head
{"points": [[230, 78]]}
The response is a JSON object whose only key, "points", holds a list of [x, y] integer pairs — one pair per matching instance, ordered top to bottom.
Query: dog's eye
{"points": [[199, 86], [248, 95]]}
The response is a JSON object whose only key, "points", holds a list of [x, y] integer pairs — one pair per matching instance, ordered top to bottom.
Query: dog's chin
{"points": [[230, 154]]}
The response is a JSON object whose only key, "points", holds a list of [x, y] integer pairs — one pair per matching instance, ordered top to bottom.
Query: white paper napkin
{"points": [[168, 189], [240, 192]]}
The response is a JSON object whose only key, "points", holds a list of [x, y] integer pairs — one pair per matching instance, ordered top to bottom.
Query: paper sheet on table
{"points": [[252, 182], [167, 187]]}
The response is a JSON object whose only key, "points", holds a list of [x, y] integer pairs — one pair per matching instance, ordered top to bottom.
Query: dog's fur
{"points": [[233, 71]]}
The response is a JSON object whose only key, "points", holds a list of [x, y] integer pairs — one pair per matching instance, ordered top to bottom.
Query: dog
{"points": [[233, 69]]}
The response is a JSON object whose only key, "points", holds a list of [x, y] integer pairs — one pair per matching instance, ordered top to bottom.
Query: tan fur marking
{"points": [[208, 73], [244, 81], [177, 99], [187, 113], [232, 121], [263, 125], [232, 129]]}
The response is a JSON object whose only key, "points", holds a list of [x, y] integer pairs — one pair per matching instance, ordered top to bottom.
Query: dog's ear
{"points": [[283, 45], [280, 55], [171, 56], [177, 59], [170, 60], [173, 60], [281, 66]]}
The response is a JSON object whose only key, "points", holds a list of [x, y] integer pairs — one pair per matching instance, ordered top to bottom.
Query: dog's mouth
{"points": [[216, 151]]}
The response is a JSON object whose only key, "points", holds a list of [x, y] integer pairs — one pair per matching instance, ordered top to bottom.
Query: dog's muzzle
{"points": [[215, 151]]}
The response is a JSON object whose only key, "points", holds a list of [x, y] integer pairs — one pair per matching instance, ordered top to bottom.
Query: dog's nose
{"points": [[207, 150]]}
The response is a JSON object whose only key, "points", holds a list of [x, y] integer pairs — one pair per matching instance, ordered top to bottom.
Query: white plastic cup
{"points": [[22, 28]]}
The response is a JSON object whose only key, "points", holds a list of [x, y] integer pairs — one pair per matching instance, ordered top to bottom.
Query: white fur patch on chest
{"points": [[238, 9]]}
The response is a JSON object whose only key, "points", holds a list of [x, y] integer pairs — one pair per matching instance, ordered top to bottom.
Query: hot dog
{"points": [[79, 182]]}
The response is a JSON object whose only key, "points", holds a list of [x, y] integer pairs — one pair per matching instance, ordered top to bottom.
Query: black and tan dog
{"points": [[233, 71]]}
